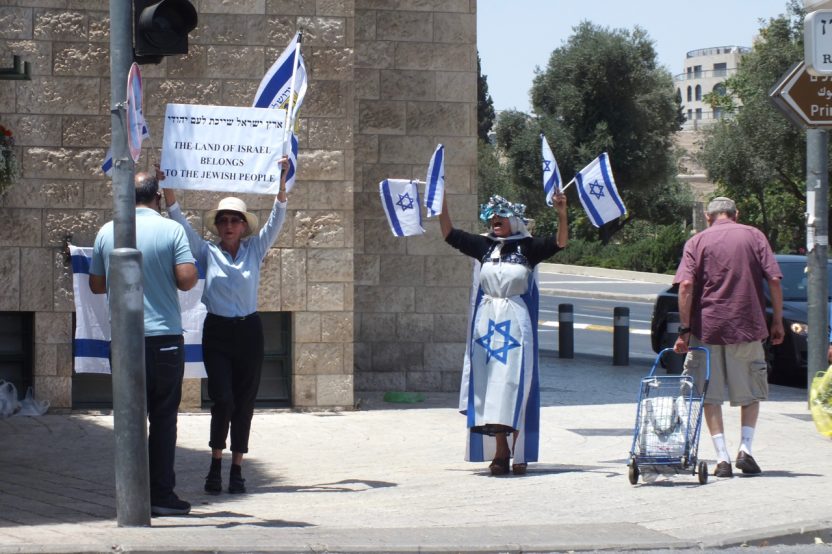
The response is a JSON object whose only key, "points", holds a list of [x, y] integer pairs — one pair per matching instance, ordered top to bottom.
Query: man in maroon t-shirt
{"points": [[722, 307]]}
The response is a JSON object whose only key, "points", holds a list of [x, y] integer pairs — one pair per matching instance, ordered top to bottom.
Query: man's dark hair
{"points": [[147, 188]]}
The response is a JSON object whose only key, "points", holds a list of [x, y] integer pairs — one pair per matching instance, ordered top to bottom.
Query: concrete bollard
{"points": [[566, 331], [621, 336], [672, 362]]}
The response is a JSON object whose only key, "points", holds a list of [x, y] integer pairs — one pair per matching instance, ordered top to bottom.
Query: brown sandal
{"points": [[499, 466], [519, 469]]}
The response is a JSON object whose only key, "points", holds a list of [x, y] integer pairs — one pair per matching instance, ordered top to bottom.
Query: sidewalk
{"points": [[390, 477]]}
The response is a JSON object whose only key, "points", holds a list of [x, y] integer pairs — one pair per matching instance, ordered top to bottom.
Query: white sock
{"points": [[747, 439], [721, 450]]}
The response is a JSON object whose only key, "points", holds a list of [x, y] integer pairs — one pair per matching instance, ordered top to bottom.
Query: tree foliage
{"points": [[602, 91], [485, 105], [756, 156]]}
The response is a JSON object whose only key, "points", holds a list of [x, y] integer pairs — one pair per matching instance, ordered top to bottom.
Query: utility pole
{"points": [[817, 250], [125, 296]]}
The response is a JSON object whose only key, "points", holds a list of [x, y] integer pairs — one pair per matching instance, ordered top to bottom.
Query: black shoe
{"points": [[747, 464], [723, 469], [213, 483], [236, 483], [173, 506]]}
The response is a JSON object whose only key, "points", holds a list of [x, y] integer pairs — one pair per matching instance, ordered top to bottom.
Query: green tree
{"points": [[603, 91], [485, 105], [755, 155]]}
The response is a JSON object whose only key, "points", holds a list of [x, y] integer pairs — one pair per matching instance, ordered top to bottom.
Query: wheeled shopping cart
{"points": [[668, 422]]}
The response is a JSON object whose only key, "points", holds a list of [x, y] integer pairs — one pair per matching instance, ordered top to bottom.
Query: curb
{"points": [[571, 293]]}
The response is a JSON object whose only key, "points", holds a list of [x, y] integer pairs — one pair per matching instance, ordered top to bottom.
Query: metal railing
{"points": [[717, 50], [706, 74]]}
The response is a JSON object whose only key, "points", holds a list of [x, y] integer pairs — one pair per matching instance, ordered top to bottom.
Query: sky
{"points": [[513, 38]]}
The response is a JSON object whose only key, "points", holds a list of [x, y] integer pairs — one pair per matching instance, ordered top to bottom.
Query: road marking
{"points": [[593, 327]]}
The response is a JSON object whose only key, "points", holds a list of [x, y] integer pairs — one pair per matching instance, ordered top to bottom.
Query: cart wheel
{"points": [[633, 473], [703, 473]]}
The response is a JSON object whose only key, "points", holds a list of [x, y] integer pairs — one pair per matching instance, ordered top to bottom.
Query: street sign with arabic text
{"points": [[805, 99]]}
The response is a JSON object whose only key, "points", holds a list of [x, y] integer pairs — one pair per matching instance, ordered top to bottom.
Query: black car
{"points": [[787, 361]]}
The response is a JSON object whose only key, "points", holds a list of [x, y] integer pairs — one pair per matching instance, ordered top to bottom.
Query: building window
{"points": [[720, 69], [697, 72], [719, 89], [698, 93], [690, 94], [698, 113], [690, 114], [17, 349]]}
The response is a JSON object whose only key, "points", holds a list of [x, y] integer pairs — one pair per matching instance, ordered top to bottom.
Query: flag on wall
{"points": [[274, 91], [551, 173], [435, 187], [597, 191], [400, 198], [91, 345]]}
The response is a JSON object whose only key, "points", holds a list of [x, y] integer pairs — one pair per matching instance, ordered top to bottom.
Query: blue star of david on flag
{"points": [[546, 165], [596, 189], [405, 202], [504, 330]]}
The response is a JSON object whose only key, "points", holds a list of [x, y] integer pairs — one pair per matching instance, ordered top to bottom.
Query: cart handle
{"points": [[702, 348]]}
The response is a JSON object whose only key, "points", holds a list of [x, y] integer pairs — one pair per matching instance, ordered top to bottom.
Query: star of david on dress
{"points": [[596, 189], [405, 202], [504, 329]]}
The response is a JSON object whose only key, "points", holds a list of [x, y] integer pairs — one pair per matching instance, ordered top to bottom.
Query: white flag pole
{"points": [[289, 119], [563, 188]]}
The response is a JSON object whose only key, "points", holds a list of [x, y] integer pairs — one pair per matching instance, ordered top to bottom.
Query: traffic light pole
{"points": [[817, 247], [125, 296]]}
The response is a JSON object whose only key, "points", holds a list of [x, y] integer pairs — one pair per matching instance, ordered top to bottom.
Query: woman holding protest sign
{"points": [[232, 337]]}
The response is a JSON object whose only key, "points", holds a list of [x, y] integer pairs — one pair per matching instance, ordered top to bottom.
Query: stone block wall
{"points": [[389, 79], [415, 86]]}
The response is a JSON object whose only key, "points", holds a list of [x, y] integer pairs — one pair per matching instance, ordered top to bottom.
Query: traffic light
{"points": [[161, 28]]}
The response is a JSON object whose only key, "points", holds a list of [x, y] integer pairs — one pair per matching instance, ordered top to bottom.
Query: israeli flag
{"points": [[276, 84], [274, 91], [107, 166], [551, 173], [435, 188], [597, 191], [400, 198], [91, 345]]}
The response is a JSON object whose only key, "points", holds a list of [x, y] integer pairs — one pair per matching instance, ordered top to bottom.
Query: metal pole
{"points": [[817, 247], [126, 296], [566, 331], [621, 336], [129, 399]]}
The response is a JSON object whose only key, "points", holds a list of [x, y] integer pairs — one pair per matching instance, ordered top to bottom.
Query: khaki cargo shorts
{"points": [[742, 367]]}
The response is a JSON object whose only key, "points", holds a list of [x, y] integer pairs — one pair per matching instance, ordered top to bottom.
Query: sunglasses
{"points": [[502, 212], [229, 220]]}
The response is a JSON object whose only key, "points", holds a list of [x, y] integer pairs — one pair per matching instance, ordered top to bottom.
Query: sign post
{"points": [[807, 101]]}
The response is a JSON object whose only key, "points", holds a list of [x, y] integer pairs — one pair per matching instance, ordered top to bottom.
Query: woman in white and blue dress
{"points": [[500, 390]]}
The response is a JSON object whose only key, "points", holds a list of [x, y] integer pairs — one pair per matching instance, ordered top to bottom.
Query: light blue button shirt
{"points": [[231, 283]]}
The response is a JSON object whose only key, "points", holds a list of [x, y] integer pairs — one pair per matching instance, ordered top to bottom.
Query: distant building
{"points": [[705, 71]]}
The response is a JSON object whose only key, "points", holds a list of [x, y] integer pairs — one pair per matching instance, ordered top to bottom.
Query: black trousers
{"points": [[232, 349], [164, 367]]}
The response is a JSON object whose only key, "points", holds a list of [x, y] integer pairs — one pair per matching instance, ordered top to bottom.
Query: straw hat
{"points": [[232, 204]]}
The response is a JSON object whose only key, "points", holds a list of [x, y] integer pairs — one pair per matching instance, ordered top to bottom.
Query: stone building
{"points": [[705, 72], [348, 307]]}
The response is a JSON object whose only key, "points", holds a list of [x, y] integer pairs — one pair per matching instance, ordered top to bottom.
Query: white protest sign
{"points": [[222, 148]]}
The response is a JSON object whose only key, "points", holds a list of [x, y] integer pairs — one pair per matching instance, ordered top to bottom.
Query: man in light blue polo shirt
{"points": [[167, 265]]}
